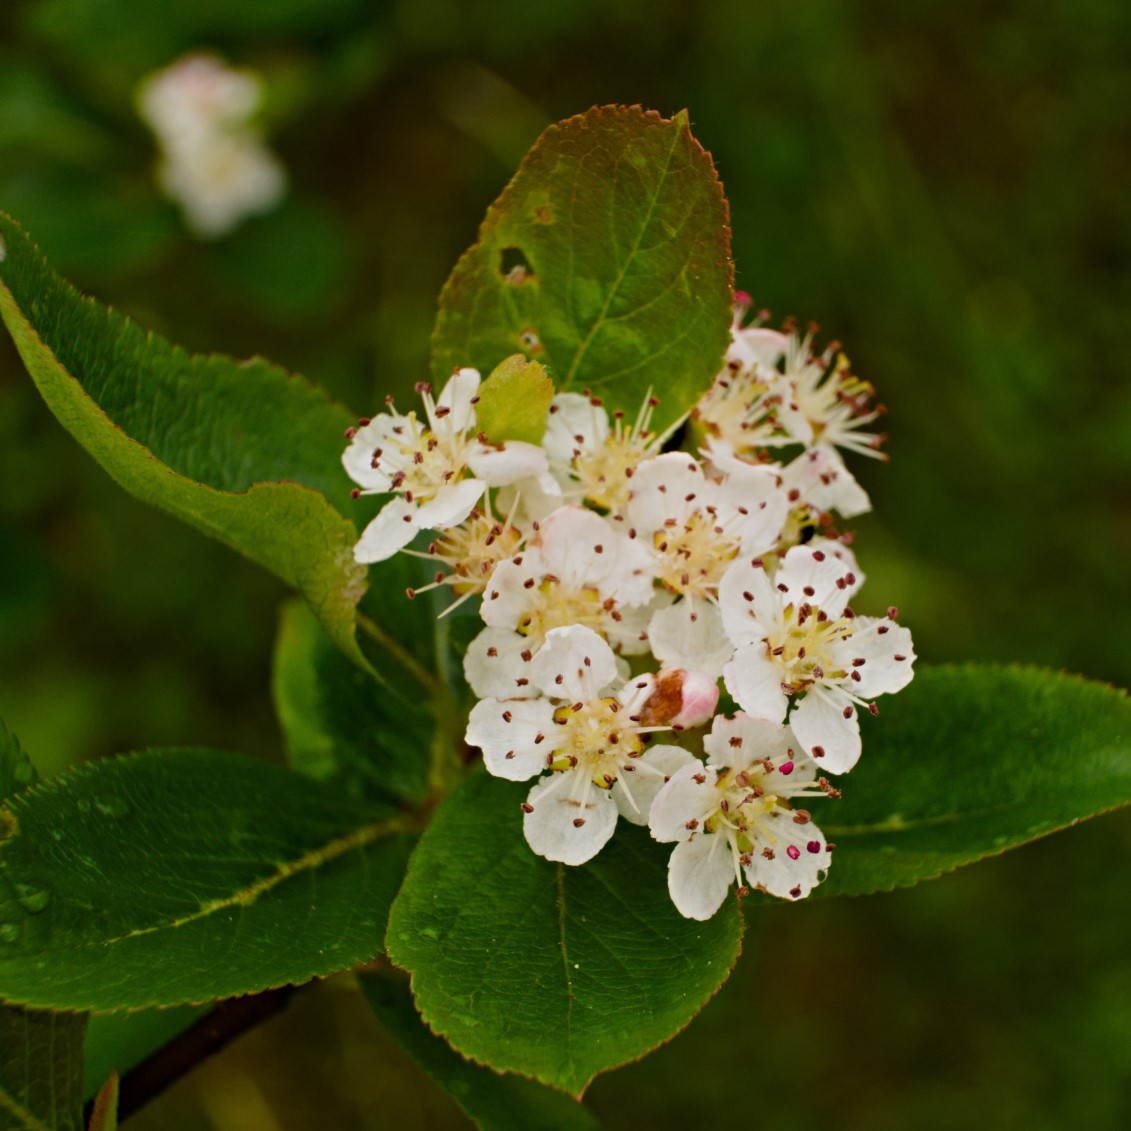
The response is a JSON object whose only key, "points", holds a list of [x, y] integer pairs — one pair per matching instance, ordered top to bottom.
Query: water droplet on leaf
{"points": [[112, 806], [31, 898]]}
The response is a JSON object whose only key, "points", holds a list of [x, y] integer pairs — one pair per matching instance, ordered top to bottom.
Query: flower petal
{"points": [[458, 395], [575, 424], [357, 459], [515, 460], [451, 505], [393, 528], [813, 576], [506, 599], [750, 606], [690, 635], [887, 655], [495, 663], [574, 663], [754, 682], [507, 731], [831, 739], [742, 740], [643, 778], [688, 796], [559, 828], [800, 857], [699, 873]]}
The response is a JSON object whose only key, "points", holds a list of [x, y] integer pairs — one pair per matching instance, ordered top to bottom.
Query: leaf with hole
{"points": [[606, 258]]}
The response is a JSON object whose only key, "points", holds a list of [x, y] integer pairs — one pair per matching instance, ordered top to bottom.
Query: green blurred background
{"points": [[944, 186]]}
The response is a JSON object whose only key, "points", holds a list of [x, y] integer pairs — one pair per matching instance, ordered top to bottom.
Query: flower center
{"points": [[423, 462], [604, 475], [473, 549], [694, 556], [553, 605], [802, 646], [596, 740], [743, 808]]}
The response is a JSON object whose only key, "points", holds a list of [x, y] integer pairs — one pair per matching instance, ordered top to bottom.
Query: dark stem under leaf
{"points": [[212, 1033]]}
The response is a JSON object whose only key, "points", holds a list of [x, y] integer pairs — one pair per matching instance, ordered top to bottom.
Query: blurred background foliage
{"points": [[943, 185]]}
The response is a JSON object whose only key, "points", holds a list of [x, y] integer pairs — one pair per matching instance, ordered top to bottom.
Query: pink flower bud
{"points": [[700, 697]]}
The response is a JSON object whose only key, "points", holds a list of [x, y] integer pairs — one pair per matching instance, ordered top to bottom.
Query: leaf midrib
{"points": [[601, 318], [316, 858]]}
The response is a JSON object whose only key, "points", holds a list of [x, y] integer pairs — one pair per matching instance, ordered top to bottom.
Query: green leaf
{"points": [[607, 257], [514, 401], [241, 450], [340, 724], [969, 761], [186, 875], [553, 972], [41, 1053], [40, 1070], [493, 1102]]}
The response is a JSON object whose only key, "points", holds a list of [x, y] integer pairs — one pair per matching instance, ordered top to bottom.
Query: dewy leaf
{"points": [[607, 258], [514, 401], [241, 450], [340, 724], [969, 761], [186, 875], [537, 968], [41, 1053], [494, 1102]]}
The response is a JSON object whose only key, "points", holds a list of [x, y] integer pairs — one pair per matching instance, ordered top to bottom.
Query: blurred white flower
{"points": [[214, 161]]}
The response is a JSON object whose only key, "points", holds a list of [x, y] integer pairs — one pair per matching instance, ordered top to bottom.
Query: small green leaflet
{"points": [[606, 258], [514, 401], [971, 760], [181, 876], [553, 972]]}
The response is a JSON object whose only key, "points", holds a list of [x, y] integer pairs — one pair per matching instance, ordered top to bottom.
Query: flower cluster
{"points": [[214, 162], [620, 581]]}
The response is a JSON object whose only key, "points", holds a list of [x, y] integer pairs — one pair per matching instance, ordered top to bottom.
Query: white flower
{"points": [[215, 163], [775, 390], [823, 402], [593, 459], [427, 463], [816, 482], [694, 527], [470, 551], [577, 570], [794, 633], [587, 735], [735, 816]]}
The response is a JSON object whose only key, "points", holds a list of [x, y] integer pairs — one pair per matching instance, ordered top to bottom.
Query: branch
{"points": [[197, 1043]]}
